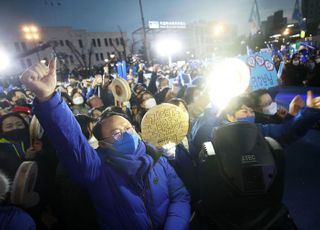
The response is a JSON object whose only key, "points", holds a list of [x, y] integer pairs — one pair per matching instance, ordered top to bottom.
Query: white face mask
{"points": [[318, 60], [295, 62], [78, 100], [151, 102], [270, 109], [169, 151]]}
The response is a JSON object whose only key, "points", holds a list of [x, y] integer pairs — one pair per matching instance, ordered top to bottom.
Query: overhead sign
{"points": [[167, 25], [262, 70]]}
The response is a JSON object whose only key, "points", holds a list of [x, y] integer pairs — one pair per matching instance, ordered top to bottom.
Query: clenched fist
{"points": [[41, 79], [313, 102], [296, 104]]}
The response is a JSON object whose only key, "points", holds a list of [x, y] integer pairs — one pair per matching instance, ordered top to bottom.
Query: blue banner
{"points": [[122, 69], [262, 70]]}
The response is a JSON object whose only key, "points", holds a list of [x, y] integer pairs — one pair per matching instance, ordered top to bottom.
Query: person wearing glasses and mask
{"points": [[130, 187]]}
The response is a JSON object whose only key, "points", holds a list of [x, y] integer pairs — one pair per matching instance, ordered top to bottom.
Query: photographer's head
{"points": [[239, 109]]}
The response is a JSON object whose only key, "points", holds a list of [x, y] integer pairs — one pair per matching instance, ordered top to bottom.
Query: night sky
{"points": [[106, 15]]}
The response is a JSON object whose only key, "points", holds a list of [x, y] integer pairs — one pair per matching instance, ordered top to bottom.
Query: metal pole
{"points": [[145, 42]]}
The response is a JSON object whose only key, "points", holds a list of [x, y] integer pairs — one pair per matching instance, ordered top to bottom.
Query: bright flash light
{"points": [[26, 29], [34, 29], [218, 30], [28, 36], [35, 36], [168, 47], [4, 61], [43, 61], [229, 79]]}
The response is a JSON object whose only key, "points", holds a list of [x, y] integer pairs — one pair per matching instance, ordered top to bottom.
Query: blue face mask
{"points": [[250, 119], [128, 144]]}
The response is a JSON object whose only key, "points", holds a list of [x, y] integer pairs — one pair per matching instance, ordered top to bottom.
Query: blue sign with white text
{"points": [[262, 70]]}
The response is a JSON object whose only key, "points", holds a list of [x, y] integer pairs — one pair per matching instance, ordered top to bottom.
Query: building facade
{"points": [[311, 11], [200, 39], [74, 48]]}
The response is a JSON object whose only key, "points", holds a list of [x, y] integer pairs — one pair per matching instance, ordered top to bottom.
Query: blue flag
{"points": [[122, 69]]}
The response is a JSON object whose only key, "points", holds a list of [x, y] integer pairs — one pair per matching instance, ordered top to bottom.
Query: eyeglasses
{"points": [[117, 135]]}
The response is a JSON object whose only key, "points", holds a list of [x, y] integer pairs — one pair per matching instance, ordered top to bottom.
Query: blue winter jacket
{"points": [[285, 133], [129, 191], [12, 218]]}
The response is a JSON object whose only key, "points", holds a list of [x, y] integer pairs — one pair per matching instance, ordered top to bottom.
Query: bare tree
{"points": [[123, 42], [77, 54], [81, 57]]}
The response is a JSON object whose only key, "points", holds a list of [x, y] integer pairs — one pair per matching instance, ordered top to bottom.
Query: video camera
{"points": [[241, 179]]}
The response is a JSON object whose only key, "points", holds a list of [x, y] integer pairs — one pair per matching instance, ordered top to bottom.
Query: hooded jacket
{"points": [[128, 191]]}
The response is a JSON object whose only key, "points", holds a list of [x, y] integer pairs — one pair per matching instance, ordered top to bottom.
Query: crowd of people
{"points": [[301, 69], [94, 169]]}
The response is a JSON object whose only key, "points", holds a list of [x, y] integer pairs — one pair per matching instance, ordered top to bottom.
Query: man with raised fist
{"points": [[130, 187]]}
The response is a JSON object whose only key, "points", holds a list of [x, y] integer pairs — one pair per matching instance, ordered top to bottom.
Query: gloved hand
{"points": [[169, 150]]}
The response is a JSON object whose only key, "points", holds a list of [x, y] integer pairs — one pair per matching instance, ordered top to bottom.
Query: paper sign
{"points": [[262, 70], [164, 124]]}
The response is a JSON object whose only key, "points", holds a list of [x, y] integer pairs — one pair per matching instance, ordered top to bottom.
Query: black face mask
{"points": [[22, 102], [16, 135]]}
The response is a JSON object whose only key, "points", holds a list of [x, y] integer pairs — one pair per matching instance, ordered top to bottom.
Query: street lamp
{"points": [[286, 32], [31, 33], [167, 48]]}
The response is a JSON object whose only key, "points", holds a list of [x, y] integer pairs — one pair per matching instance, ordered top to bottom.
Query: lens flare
{"points": [[168, 47], [4, 61], [229, 78]]}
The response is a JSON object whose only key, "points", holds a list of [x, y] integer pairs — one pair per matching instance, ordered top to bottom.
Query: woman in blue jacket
{"points": [[129, 188]]}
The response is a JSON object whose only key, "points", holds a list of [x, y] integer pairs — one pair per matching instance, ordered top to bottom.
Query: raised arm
{"points": [[298, 126], [74, 152]]}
